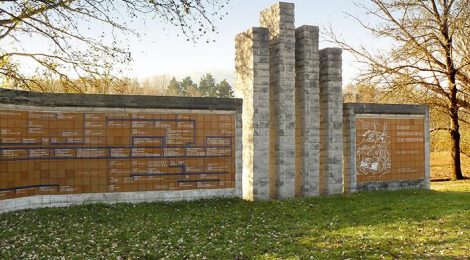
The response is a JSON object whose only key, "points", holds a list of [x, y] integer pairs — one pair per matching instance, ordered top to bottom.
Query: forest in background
{"points": [[160, 85]]}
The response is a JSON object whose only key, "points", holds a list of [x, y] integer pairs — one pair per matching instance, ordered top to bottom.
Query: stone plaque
{"points": [[390, 148], [78, 152]]}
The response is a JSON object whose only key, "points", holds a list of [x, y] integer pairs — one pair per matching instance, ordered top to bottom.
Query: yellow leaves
{"points": [[4, 60]]}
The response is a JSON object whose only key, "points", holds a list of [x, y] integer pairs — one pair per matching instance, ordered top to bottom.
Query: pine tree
{"points": [[187, 86], [207, 86], [174, 88], [224, 90]]}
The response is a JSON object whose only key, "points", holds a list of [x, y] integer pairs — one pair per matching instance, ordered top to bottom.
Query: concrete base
{"points": [[392, 185], [45, 201]]}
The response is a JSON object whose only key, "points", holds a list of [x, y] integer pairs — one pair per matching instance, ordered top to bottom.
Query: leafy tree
{"points": [[75, 31], [429, 58], [207, 85], [187, 86], [174, 88], [209, 88], [224, 90], [363, 93]]}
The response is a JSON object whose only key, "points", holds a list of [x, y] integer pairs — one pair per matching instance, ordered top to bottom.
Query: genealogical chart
{"points": [[389, 148], [67, 152]]}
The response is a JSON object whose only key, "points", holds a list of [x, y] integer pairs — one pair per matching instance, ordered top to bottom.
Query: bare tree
{"points": [[83, 39], [430, 56], [156, 85]]}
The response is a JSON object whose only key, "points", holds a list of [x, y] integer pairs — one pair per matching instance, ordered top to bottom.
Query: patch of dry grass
{"points": [[441, 165]]}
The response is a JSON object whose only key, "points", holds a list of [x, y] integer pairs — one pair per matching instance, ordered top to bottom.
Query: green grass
{"points": [[403, 224]]}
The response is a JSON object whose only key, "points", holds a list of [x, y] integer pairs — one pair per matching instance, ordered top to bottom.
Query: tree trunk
{"points": [[454, 107], [455, 137]]}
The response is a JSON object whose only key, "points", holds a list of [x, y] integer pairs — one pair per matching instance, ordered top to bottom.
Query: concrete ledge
{"points": [[17, 97], [372, 108], [391, 185], [46, 201]]}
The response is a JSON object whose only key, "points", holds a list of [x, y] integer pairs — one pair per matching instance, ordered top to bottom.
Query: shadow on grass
{"points": [[402, 224]]}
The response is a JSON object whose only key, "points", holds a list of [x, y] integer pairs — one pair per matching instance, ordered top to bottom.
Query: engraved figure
{"points": [[373, 154]]}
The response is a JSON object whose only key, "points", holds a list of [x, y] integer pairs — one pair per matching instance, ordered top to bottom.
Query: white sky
{"points": [[161, 52]]}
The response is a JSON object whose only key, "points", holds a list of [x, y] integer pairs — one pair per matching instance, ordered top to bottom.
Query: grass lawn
{"points": [[403, 224]]}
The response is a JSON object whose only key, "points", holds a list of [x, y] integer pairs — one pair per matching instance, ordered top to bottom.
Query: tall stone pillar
{"points": [[279, 19], [252, 80], [307, 111], [331, 121]]}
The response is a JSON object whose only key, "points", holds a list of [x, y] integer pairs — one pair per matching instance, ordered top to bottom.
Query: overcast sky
{"points": [[162, 52]]}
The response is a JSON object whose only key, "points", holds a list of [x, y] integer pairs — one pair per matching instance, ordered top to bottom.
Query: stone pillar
{"points": [[279, 19], [252, 80], [307, 111], [331, 121]]}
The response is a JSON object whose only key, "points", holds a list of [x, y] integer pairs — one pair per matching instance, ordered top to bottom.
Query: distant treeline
{"points": [[161, 85]]}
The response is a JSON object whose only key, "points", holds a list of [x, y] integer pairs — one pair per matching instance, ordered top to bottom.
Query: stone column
{"points": [[279, 19], [252, 80], [307, 111], [331, 121]]}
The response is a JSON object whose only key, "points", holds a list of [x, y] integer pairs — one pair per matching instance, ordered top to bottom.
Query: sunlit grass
{"points": [[402, 224]]}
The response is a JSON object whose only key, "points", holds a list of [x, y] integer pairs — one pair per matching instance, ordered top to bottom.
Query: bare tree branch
{"points": [[76, 50]]}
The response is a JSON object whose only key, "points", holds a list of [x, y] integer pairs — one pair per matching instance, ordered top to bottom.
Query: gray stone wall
{"points": [[279, 19], [252, 80], [9, 96], [307, 110], [331, 121], [349, 151], [392, 185]]}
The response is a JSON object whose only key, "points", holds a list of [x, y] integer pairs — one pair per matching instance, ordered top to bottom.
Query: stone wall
{"points": [[73, 156]]}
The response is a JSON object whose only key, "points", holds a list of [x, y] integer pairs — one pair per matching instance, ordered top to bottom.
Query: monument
{"points": [[291, 136], [299, 137]]}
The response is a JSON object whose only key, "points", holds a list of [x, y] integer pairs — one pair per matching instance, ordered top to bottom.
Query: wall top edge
{"points": [[19, 97], [373, 108]]}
